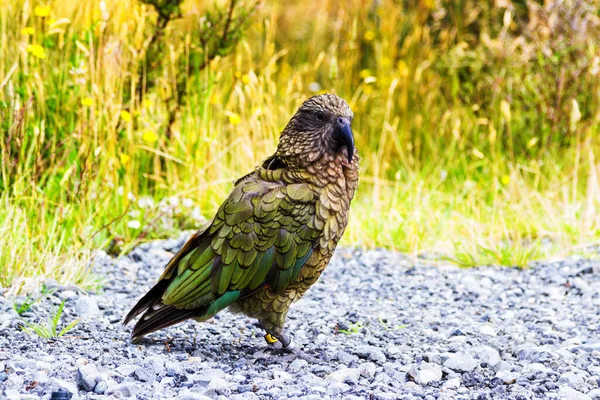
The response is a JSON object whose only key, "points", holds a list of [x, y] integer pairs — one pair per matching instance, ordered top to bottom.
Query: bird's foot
{"points": [[272, 337]]}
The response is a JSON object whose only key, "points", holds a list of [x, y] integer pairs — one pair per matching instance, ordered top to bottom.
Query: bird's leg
{"points": [[274, 333]]}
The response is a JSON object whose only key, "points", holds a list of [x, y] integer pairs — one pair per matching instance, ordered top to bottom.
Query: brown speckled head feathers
{"points": [[311, 132]]}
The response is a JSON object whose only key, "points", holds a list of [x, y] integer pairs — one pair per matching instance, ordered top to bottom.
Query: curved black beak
{"points": [[344, 136]]}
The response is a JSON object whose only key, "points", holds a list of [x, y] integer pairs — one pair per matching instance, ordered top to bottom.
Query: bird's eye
{"points": [[320, 116]]}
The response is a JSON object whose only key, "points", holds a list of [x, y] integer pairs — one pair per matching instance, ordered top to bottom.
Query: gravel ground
{"points": [[380, 326]]}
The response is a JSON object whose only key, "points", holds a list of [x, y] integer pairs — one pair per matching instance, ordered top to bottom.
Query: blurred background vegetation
{"points": [[124, 120]]}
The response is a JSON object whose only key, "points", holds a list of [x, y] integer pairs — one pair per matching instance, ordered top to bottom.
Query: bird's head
{"points": [[322, 125]]}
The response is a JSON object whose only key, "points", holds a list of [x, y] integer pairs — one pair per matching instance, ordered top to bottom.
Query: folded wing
{"points": [[261, 237]]}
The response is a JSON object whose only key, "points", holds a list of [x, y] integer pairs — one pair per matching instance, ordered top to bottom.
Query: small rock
{"points": [[67, 294], [86, 306], [487, 330], [372, 353], [486, 354], [534, 354], [345, 358], [461, 362], [297, 365], [503, 366], [126, 369], [367, 369], [425, 373], [144, 374], [208, 375], [282, 375], [345, 375], [87, 377], [508, 378], [574, 380], [453, 383], [55, 384], [217, 386], [100, 387], [125, 389], [567, 393], [187, 394], [594, 394]]}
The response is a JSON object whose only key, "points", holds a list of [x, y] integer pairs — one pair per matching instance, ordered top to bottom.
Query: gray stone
{"points": [[86, 307], [487, 330], [372, 353], [486, 354], [535, 355], [346, 358], [461, 362], [297, 365], [503, 366], [126, 369], [367, 369], [425, 373], [143, 374], [208, 375], [282, 375], [345, 375], [87, 377], [508, 378], [574, 380], [453, 383], [55, 384], [217, 386], [101, 387], [125, 389], [567, 393], [187, 394], [594, 394]]}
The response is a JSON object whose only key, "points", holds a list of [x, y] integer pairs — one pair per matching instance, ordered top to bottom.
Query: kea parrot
{"points": [[272, 237]]}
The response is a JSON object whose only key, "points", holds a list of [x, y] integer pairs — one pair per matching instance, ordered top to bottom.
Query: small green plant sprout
{"points": [[30, 300], [22, 308], [49, 329], [352, 329]]}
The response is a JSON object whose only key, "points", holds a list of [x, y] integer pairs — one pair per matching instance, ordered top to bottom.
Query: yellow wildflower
{"points": [[41, 11], [27, 31], [369, 36], [36, 50], [385, 61], [402, 69], [364, 73], [237, 74], [245, 79], [87, 101], [125, 116], [234, 118], [149, 136], [124, 158], [505, 180]]}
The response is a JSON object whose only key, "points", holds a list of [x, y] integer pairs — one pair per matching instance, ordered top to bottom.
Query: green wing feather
{"points": [[261, 237]]}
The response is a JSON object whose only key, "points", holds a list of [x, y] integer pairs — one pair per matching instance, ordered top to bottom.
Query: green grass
{"points": [[478, 131], [49, 329]]}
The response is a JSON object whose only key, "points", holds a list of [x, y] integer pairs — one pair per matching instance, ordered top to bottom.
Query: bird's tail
{"points": [[157, 315]]}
